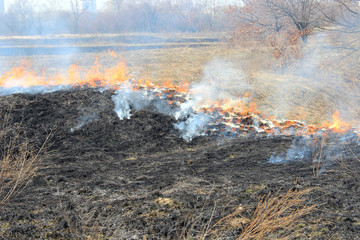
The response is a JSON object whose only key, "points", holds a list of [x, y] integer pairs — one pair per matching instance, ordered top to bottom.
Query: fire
{"points": [[112, 53], [20, 77], [94, 77], [233, 115], [337, 125]]}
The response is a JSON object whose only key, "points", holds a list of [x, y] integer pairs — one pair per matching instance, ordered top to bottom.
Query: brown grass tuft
{"points": [[18, 162], [276, 212], [273, 213]]}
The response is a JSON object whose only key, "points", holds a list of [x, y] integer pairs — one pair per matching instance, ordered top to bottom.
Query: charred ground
{"points": [[109, 178]]}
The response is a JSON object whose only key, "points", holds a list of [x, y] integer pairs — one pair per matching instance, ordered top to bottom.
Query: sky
{"points": [[59, 4], [65, 4]]}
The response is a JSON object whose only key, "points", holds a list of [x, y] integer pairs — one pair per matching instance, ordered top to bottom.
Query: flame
{"points": [[112, 53], [20, 77], [94, 77], [239, 115], [337, 125]]}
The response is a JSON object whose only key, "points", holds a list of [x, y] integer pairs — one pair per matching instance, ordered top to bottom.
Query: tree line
{"points": [[23, 17], [274, 23]]}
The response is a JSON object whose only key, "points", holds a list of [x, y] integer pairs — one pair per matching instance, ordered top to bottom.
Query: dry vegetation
{"points": [[297, 74], [312, 87], [19, 162], [272, 213], [275, 213]]}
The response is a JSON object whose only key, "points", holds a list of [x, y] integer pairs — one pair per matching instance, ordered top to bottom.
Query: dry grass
{"points": [[314, 85], [18, 162], [17, 167], [276, 212], [272, 214]]}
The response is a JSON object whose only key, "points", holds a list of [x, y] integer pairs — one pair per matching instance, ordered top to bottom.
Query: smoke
{"points": [[220, 81], [316, 83], [31, 90], [127, 99], [122, 104], [83, 120], [194, 126], [322, 149], [300, 150]]}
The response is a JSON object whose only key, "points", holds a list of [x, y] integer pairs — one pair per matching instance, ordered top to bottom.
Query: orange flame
{"points": [[94, 77], [238, 115], [337, 125]]}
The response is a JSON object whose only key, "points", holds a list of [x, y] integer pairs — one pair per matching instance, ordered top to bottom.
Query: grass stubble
{"points": [[19, 162], [273, 212]]}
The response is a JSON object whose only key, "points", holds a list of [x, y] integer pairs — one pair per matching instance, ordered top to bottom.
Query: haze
{"points": [[101, 4]]}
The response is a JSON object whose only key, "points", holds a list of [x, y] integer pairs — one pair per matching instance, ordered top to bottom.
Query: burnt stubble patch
{"points": [[107, 178]]}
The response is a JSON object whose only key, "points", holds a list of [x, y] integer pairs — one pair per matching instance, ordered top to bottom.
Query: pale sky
{"points": [[59, 4], [101, 4]]}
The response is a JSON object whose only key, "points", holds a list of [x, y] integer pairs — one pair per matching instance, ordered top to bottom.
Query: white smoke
{"points": [[220, 80], [32, 90], [127, 99], [122, 105], [83, 120], [194, 126], [321, 149], [300, 150]]}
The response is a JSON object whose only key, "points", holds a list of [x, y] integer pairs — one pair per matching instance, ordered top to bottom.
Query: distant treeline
{"points": [[22, 18], [274, 23]]}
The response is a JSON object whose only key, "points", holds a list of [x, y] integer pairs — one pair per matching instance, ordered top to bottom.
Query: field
{"points": [[101, 177]]}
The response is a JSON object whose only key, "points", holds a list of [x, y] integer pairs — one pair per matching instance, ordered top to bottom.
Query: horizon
{"points": [[58, 5]]}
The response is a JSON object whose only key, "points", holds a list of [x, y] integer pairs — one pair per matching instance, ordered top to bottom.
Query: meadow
{"points": [[93, 175]]}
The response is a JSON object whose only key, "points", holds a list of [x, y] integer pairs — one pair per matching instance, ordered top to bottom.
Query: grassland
{"points": [[313, 86], [116, 179]]}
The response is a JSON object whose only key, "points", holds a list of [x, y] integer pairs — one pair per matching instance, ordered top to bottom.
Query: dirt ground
{"points": [[137, 179]]}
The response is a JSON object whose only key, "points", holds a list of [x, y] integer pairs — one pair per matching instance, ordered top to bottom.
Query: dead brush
{"points": [[318, 155], [18, 162], [273, 213]]}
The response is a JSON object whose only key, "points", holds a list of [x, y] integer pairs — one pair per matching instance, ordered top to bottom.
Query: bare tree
{"points": [[116, 5], [212, 7], [77, 11], [150, 12], [302, 13], [282, 15], [344, 15], [190, 16], [20, 17]]}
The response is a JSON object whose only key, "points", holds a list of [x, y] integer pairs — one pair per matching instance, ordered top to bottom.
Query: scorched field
{"points": [[117, 149]]}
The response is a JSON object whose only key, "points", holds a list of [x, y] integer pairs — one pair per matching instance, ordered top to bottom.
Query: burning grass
{"points": [[227, 103], [209, 107], [128, 128], [159, 193]]}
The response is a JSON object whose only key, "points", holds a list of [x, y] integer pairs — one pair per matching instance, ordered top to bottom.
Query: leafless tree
{"points": [[116, 5], [77, 11], [150, 12], [302, 13], [187, 15], [281, 15], [344, 15], [120, 16], [19, 17]]}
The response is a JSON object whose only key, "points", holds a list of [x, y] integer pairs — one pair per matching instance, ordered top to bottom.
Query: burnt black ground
{"points": [[111, 179]]}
